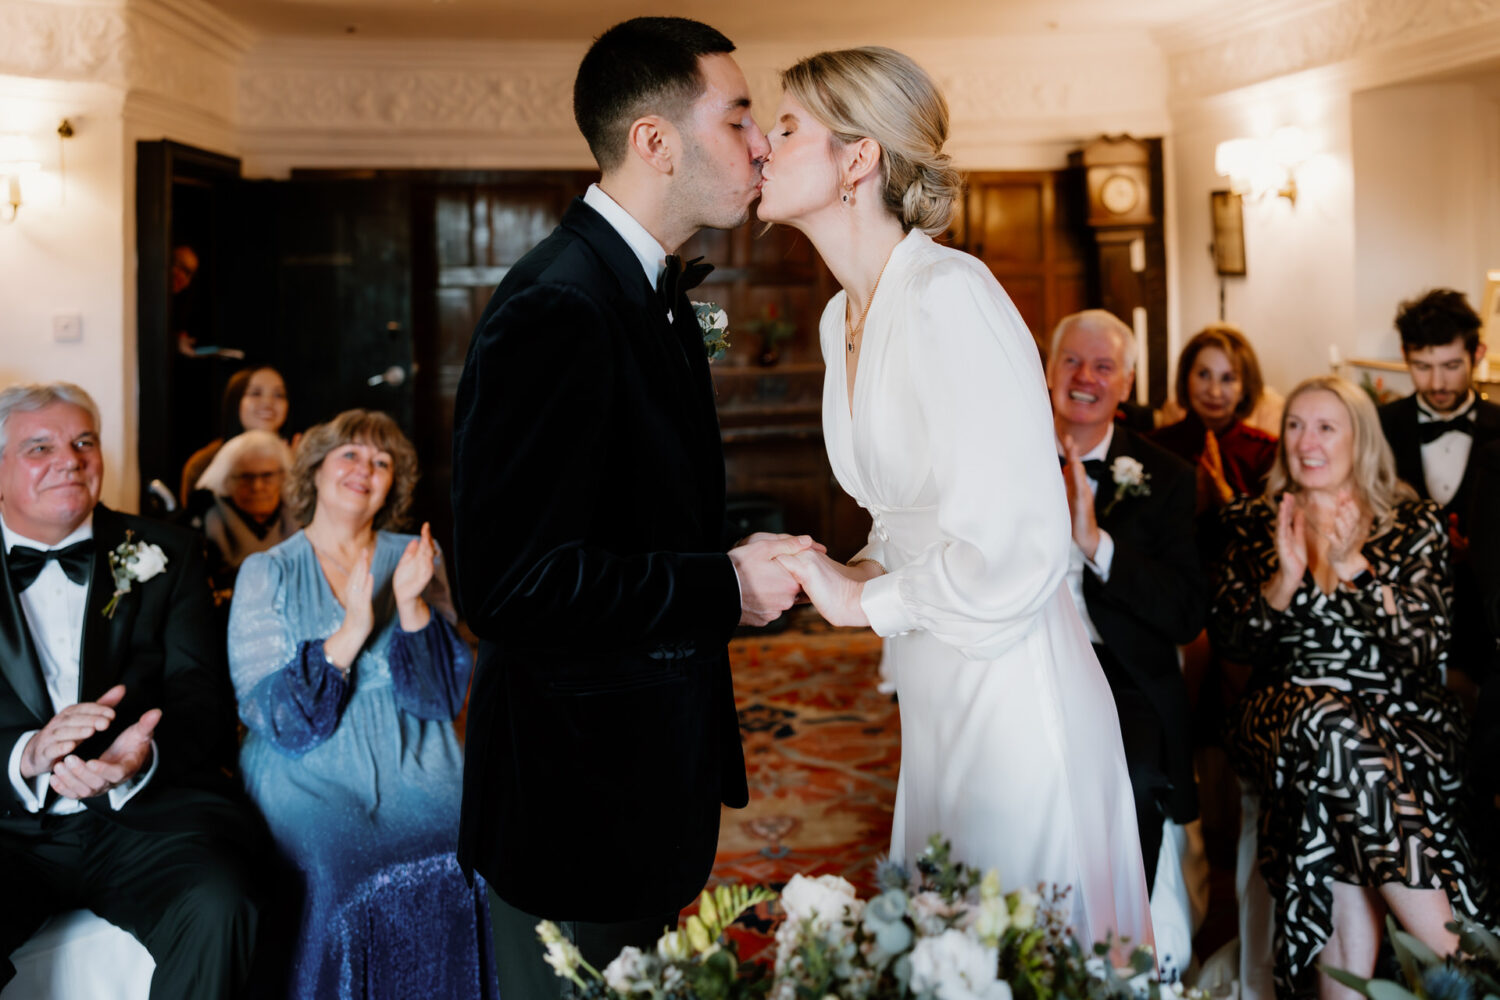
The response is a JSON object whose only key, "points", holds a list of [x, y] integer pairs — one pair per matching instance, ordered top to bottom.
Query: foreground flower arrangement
{"points": [[941, 933], [1471, 973]]}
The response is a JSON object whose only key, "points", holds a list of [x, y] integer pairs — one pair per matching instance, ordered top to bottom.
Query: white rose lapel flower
{"points": [[714, 322], [1131, 480], [132, 563]]}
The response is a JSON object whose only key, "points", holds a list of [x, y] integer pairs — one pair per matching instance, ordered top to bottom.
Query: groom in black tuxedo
{"points": [[590, 548], [1135, 572], [118, 729]]}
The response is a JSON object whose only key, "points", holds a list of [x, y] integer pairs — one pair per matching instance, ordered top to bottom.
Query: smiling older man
{"points": [[1135, 572], [116, 722]]}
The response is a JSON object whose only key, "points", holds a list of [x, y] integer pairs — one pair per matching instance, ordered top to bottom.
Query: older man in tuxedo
{"points": [[1436, 433], [1135, 572], [116, 719]]}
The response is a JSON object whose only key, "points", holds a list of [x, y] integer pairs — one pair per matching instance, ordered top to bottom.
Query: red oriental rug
{"points": [[822, 750]]}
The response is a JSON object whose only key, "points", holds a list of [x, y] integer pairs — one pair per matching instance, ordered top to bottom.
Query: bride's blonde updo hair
{"points": [[878, 93]]}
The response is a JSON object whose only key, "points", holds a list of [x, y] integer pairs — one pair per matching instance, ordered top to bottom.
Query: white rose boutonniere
{"points": [[714, 322], [1131, 480], [132, 563]]}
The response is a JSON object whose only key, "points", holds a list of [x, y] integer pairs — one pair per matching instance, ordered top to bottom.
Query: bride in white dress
{"points": [[1010, 745]]}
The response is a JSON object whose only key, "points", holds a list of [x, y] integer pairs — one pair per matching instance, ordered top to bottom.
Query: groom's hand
{"points": [[766, 588]]}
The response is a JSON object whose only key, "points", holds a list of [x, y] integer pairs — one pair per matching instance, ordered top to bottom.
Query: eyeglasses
{"points": [[254, 478]]}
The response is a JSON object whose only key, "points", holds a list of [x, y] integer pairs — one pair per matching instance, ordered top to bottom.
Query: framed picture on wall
{"points": [[1228, 216], [1490, 312]]}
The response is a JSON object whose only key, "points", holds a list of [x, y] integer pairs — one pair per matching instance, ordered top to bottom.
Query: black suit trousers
{"points": [[1145, 757], [184, 895]]}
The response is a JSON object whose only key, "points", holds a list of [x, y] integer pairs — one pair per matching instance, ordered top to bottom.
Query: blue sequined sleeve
{"points": [[430, 669], [288, 692]]}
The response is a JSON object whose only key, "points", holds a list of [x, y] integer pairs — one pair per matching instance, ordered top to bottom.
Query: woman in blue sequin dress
{"points": [[349, 675]]}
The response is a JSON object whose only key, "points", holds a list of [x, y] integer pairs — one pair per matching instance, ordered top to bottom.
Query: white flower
{"points": [[713, 322], [1126, 471], [148, 562], [820, 901], [1024, 904], [932, 914], [674, 947], [563, 955], [956, 966], [627, 973]]}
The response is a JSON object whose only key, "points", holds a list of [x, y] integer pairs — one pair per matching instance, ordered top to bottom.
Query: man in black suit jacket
{"points": [[1435, 434], [588, 495], [1136, 575], [116, 716]]}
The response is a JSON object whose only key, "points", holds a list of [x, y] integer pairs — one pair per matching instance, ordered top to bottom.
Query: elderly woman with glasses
{"points": [[241, 511]]}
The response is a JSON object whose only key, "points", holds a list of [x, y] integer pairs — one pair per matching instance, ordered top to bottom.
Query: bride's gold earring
{"points": [[848, 194]]}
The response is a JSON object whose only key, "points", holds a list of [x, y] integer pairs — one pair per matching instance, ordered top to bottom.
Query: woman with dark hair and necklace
{"points": [[349, 674]]}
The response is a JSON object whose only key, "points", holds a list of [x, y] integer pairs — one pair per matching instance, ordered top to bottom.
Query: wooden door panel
{"points": [[1007, 220]]}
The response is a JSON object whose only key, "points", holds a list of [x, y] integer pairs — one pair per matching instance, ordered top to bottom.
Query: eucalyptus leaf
{"points": [[1412, 945], [1349, 979], [1384, 989]]}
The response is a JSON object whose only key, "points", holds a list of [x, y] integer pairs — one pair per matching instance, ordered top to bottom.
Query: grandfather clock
{"points": [[1123, 182]]}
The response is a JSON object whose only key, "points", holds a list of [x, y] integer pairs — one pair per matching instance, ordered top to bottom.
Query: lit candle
{"points": [[15, 191], [1335, 359]]}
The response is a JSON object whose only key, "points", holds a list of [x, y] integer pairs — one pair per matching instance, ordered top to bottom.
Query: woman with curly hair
{"points": [[349, 675]]}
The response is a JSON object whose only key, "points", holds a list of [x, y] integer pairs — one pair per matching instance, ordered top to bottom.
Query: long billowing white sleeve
{"points": [[1003, 514]]}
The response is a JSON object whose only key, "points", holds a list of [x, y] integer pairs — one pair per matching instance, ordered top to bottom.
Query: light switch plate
{"points": [[67, 327]]}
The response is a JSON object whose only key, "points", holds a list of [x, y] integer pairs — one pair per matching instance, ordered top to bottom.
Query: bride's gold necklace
{"points": [[852, 332]]}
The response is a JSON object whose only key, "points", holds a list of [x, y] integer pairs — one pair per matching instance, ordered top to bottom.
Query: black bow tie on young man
{"points": [[678, 278], [1430, 430], [1092, 467], [26, 563]]}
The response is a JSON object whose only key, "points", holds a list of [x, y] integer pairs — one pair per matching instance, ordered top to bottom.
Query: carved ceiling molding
{"points": [[1308, 38], [155, 47]]}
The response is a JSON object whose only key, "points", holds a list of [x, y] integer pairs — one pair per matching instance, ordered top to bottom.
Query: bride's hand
{"points": [[833, 588]]}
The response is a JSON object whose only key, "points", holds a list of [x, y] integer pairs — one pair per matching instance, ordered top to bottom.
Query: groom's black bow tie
{"points": [[677, 278], [1429, 431], [1092, 467], [26, 563]]}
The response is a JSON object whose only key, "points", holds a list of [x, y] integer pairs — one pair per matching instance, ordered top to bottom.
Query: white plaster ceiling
{"points": [[761, 21]]}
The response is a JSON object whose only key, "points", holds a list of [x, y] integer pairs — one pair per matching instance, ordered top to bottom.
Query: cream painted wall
{"points": [[1424, 214], [66, 252], [1297, 298]]}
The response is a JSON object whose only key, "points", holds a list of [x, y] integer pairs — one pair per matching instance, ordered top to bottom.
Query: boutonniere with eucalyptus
{"points": [[714, 322], [1131, 480], [132, 563]]}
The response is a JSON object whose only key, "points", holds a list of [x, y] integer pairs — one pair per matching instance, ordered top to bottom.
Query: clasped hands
{"points": [[777, 571], [51, 748]]}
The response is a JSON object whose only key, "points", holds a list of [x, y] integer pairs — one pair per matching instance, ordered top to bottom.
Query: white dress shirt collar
{"points": [[641, 243], [1099, 451], [14, 538]]}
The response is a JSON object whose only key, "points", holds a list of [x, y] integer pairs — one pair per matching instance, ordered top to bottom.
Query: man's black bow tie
{"points": [[678, 278], [1430, 430], [1092, 467], [26, 563]]}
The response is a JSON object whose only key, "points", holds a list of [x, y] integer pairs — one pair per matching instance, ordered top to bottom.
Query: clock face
{"points": [[1119, 194]]}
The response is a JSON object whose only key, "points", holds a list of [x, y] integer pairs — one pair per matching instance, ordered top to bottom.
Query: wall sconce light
{"points": [[17, 157], [1258, 167]]}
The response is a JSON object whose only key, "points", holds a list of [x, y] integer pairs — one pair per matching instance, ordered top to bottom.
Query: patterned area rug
{"points": [[822, 750]]}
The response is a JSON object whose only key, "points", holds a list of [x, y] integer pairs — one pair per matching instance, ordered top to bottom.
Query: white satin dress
{"points": [[1010, 745]]}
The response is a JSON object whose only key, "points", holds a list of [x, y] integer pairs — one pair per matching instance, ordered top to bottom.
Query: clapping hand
{"points": [[1213, 487], [1080, 499], [1346, 537], [1291, 553], [413, 574], [344, 645], [51, 749]]}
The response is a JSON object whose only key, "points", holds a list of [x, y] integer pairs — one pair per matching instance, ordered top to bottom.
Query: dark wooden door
{"points": [[468, 229], [342, 328]]}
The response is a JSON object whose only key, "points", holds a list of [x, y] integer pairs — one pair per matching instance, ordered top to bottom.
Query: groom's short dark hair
{"points": [[644, 66]]}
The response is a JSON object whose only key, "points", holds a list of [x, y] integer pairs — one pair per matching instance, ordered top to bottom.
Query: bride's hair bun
{"points": [[878, 93]]}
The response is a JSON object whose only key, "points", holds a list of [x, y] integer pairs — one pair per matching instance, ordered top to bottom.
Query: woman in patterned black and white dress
{"points": [[1335, 586]]}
